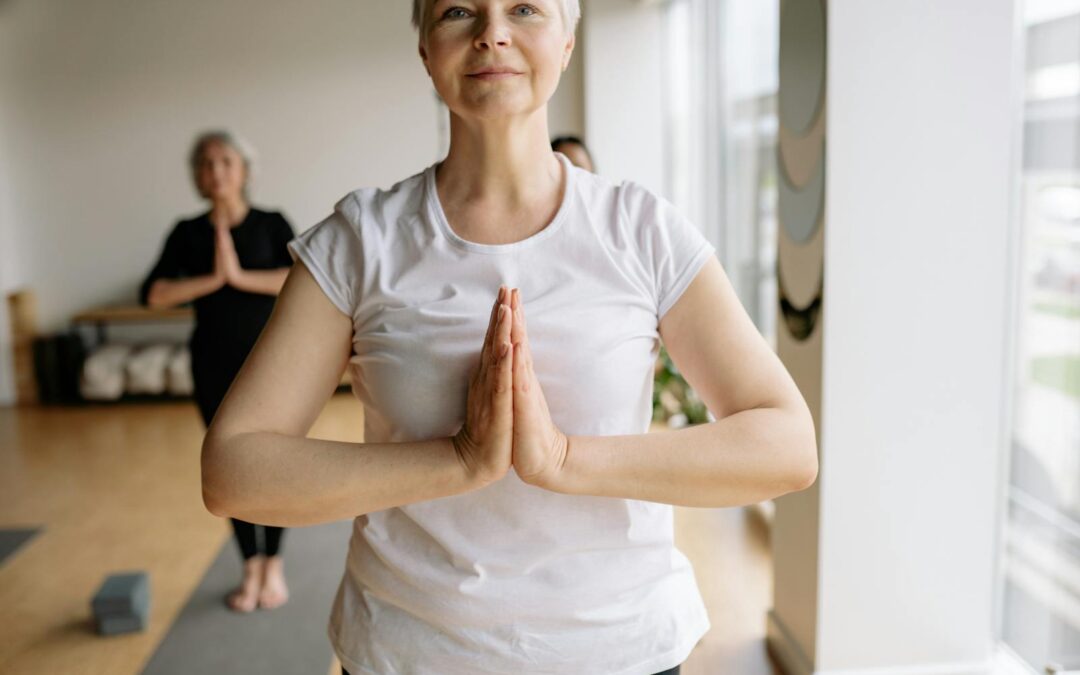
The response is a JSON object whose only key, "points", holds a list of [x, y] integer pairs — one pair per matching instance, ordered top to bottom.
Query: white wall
{"points": [[624, 85], [101, 100], [920, 166], [9, 271]]}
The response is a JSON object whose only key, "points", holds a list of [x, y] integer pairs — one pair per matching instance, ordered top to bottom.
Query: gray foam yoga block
{"points": [[122, 603], [120, 623]]}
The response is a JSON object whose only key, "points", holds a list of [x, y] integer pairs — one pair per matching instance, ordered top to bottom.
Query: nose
{"points": [[492, 33]]}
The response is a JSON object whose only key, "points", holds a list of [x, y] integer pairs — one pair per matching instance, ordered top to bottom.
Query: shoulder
{"points": [[628, 196], [642, 205], [631, 207], [374, 209], [257, 213], [271, 219], [193, 221], [655, 227], [184, 228], [342, 250]]}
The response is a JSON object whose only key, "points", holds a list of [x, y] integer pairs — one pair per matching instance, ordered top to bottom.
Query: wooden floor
{"points": [[116, 487]]}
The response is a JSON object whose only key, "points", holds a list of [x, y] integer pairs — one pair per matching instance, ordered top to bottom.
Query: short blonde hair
{"points": [[420, 8]]}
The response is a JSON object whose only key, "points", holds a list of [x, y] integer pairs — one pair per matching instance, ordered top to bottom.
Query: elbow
{"points": [[152, 296], [148, 297], [806, 459], [807, 475], [215, 496], [213, 499], [212, 502]]}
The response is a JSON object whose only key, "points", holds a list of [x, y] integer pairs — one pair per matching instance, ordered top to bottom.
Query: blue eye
{"points": [[449, 14]]}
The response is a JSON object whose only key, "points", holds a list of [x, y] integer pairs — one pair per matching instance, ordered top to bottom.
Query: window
{"points": [[723, 78], [1040, 610]]}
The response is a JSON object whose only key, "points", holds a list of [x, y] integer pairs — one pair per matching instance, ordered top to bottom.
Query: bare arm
{"points": [[268, 282], [168, 284], [172, 292], [762, 445], [741, 459], [257, 464]]}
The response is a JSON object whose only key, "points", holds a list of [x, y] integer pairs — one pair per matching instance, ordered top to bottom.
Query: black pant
{"points": [[213, 372], [672, 671]]}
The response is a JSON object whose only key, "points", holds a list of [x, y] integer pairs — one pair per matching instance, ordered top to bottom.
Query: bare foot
{"points": [[274, 592], [246, 596]]}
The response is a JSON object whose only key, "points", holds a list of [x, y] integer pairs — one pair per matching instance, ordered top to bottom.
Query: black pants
{"points": [[212, 373], [672, 671]]}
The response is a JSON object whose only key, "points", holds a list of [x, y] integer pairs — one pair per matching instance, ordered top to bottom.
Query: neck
{"points": [[505, 162], [231, 210]]}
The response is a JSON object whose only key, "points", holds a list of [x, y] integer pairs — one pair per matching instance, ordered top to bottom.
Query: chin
{"points": [[496, 109]]}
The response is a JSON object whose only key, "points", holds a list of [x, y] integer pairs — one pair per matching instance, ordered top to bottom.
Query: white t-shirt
{"points": [[509, 578]]}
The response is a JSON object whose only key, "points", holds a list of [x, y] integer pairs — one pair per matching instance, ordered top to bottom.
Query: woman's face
{"points": [[466, 37], [220, 173]]}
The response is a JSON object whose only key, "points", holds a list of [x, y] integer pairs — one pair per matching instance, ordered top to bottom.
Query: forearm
{"points": [[268, 282], [171, 292], [741, 459], [274, 479]]}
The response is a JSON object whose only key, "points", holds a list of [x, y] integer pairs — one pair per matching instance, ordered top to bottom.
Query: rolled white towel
{"points": [[146, 369], [102, 377], [181, 382]]}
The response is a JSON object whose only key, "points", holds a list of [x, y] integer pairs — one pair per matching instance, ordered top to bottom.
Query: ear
{"points": [[568, 51], [423, 57]]}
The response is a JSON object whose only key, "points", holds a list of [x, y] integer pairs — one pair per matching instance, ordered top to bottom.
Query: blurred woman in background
{"points": [[574, 149], [232, 262]]}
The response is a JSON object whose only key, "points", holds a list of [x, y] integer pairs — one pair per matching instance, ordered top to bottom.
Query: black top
{"points": [[227, 317]]}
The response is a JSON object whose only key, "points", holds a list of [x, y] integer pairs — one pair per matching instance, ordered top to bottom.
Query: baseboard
{"points": [[784, 649], [791, 659]]}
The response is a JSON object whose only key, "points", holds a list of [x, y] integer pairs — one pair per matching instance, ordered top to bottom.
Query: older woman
{"points": [[231, 261], [500, 313]]}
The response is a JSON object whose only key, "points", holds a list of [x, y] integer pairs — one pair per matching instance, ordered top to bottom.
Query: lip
{"points": [[494, 73], [486, 77]]}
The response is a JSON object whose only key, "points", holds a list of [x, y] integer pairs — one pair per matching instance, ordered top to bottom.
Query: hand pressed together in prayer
{"points": [[226, 261], [507, 422]]}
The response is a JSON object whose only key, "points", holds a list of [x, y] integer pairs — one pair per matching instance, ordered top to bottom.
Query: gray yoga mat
{"points": [[12, 539], [209, 638]]}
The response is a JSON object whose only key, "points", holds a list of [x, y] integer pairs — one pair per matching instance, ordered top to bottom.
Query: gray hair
{"points": [[571, 10], [242, 148]]}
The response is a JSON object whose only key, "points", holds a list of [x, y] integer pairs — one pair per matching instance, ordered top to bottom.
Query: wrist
{"points": [[237, 278], [474, 474], [555, 476]]}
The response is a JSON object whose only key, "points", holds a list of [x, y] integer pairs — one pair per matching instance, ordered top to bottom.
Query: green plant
{"points": [[673, 397]]}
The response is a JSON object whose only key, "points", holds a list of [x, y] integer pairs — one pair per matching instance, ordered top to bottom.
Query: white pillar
{"points": [[888, 564]]}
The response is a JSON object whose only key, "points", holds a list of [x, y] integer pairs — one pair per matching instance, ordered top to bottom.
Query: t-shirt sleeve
{"points": [[283, 234], [673, 249], [333, 251], [169, 265]]}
